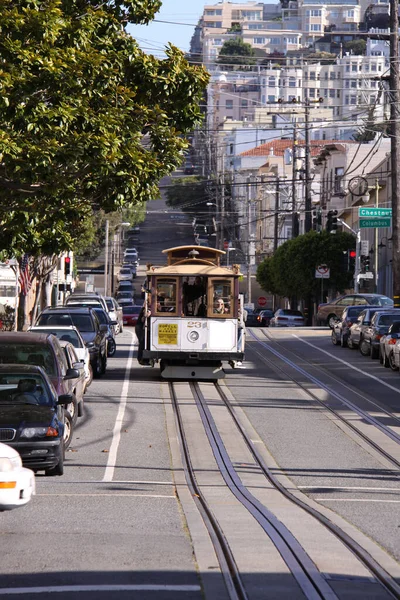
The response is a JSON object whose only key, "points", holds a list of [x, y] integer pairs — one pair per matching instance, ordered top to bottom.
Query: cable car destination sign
{"points": [[374, 217]]}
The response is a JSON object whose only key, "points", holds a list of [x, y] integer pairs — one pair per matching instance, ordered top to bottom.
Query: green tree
{"points": [[357, 47], [236, 52], [88, 121], [190, 194], [291, 270]]}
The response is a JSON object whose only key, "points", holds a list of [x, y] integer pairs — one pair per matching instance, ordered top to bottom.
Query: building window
{"points": [[315, 27], [259, 40], [354, 68], [271, 81], [292, 82], [311, 92], [332, 93], [271, 99], [228, 103], [244, 103]]}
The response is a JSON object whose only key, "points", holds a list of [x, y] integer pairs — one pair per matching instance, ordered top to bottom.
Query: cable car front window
{"points": [[166, 296], [221, 297]]}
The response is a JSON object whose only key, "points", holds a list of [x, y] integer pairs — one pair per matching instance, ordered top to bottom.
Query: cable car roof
{"points": [[198, 268]]}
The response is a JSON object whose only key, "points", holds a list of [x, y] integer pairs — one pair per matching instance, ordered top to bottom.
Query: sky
{"points": [[155, 36]]}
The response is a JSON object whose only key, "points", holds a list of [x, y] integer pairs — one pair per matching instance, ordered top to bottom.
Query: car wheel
{"points": [[332, 320], [334, 338], [343, 341], [350, 343], [111, 347], [364, 348], [374, 352], [380, 356], [386, 361], [392, 362], [103, 364], [98, 367], [89, 381], [72, 408], [68, 428], [59, 468]]}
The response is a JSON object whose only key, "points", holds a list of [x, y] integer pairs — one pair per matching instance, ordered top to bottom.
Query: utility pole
{"points": [[394, 85], [276, 215], [308, 216], [222, 219], [295, 219], [248, 239], [106, 257]]}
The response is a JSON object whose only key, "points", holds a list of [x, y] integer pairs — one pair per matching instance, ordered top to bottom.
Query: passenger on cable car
{"points": [[193, 296], [219, 307]]}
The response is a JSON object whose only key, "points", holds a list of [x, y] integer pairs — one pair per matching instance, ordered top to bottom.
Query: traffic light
{"points": [[317, 219], [332, 221], [352, 260], [365, 264], [67, 265]]}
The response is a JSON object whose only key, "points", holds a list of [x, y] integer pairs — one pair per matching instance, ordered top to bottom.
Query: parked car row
{"points": [[329, 313], [283, 317], [374, 331]]}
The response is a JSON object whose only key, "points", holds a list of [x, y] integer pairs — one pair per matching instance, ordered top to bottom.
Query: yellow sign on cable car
{"points": [[168, 334]]}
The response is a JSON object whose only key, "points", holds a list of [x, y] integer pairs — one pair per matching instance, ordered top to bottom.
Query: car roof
{"points": [[67, 309], [24, 337], [10, 367]]}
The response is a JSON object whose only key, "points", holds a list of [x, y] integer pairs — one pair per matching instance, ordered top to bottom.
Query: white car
{"points": [[125, 274], [115, 313], [69, 333], [17, 484]]}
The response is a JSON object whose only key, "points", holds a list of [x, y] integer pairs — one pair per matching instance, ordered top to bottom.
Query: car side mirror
{"points": [[113, 322], [103, 328], [78, 364], [72, 374], [64, 399]]}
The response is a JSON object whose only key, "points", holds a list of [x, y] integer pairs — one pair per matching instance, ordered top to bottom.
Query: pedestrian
{"points": [[140, 334]]}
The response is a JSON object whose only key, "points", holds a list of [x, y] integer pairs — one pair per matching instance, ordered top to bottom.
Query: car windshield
{"points": [[125, 272], [124, 295], [381, 301], [110, 304], [354, 311], [290, 313], [101, 315], [386, 320], [81, 322], [67, 336], [28, 354], [22, 388]]}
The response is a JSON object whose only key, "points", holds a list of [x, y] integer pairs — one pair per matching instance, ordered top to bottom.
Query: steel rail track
{"points": [[383, 428], [303, 569], [230, 572], [380, 574]]}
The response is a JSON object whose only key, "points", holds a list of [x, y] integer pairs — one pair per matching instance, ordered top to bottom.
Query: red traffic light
{"points": [[352, 253], [67, 259]]}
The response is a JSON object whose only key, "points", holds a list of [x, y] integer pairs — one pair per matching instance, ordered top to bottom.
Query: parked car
{"points": [[189, 168], [131, 267], [125, 274], [125, 286], [79, 298], [125, 298], [331, 312], [115, 313], [131, 313], [264, 317], [286, 317], [104, 319], [251, 320], [87, 323], [341, 329], [356, 332], [69, 333], [372, 333], [389, 347], [44, 350], [78, 365], [32, 417], [17, 484]]}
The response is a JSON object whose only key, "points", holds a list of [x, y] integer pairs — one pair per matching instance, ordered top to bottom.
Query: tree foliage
{"points": [[236, 52], [88, 121], [189, 194], [291, 270]]}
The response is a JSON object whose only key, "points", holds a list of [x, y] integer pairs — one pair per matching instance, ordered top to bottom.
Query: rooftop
{"points": [[278, 147]]}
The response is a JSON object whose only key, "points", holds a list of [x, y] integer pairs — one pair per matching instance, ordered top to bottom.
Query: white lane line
{"points": [[348, 365], [112, 456], [93, 481], [334, 487], [113, 495], [356, 500], [98, 588]]}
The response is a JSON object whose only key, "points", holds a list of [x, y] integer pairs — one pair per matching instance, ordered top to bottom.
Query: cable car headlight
{"points": [[193, 336]]}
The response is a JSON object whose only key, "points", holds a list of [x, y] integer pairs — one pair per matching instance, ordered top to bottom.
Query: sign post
{"points": [[322, 272], [262, 301]]}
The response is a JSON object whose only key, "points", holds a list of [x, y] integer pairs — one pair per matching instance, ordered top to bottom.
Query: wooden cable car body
{"points": [[196, 314]]}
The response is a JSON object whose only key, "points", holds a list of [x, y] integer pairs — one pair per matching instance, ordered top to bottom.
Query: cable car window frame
{"points": [[169, 280], [210, 297]]}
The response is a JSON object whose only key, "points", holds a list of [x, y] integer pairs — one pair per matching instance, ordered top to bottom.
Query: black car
{"points": [[264, 317], [252, 318], [105, 320], [88, 325], [341, 329], [357, 330], [32, 417]]}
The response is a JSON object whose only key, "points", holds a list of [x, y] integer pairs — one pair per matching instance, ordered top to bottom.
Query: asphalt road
{"points": [[113, 527]]}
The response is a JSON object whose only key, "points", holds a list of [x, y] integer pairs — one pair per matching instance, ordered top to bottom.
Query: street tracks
{"points": [[204, 415]]}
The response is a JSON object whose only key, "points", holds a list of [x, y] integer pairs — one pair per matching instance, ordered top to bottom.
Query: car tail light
{"points": [[258, 318], [281, 319], [349, 323], [378, 336], [392, 342], [8, 485]]}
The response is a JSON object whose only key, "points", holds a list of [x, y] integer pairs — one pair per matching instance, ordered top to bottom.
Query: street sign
{"points": [[374, 212], [375, 222], [226, 245], [364, 247], [322, 272], [368, 275], [262, 301]]}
